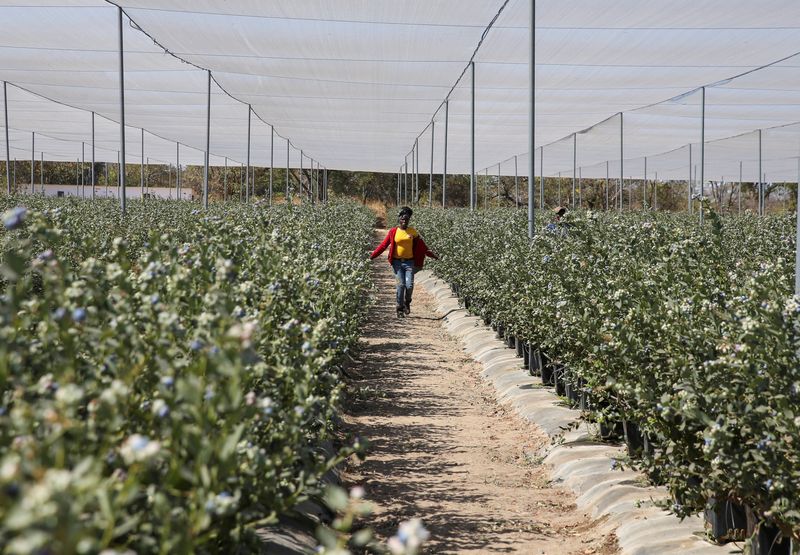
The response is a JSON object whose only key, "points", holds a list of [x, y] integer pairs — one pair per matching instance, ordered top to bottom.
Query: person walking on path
{"points": [[407, 252]]}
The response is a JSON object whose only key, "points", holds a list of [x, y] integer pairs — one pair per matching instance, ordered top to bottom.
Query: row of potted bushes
{"points": [[726, 520]]}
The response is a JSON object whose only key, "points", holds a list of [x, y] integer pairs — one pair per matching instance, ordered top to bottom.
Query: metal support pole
{"points": [[531, 116], [208, 141], [8, 148], [702, 151], [621, 158], [271, 159], [415, 162], [574, 165], [444, 167], [83, 169], [141, 169], [177, 171], [247, 174], [430, 177], [94, 178], [760, 179], [405, 180], [516, 183], [689, 183], [644, 184], [499, 189], [486, 190], [739, 190], [655, 193], [122, 198], [288, 198], [473, 198], [797, 238]]}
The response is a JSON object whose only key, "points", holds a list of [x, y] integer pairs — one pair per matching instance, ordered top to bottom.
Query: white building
{"points": [[101, 191]]}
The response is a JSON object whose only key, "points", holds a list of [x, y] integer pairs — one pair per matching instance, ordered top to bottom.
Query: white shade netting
{"points": [[354, 84]]}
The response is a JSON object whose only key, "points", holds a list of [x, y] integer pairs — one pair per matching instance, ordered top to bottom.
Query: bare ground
{"points": [[444, 450]]}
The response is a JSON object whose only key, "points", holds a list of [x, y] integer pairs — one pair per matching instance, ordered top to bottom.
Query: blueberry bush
{"points": [[691, 331], [167, 379]]}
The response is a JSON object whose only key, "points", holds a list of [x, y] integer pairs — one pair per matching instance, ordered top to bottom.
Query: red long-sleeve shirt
{"points": [[418, 246]]}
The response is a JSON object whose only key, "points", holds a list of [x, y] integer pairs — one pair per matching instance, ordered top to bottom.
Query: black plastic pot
{"points": [[467, 302], [500, 328], [511, 341], [519, 344], [526, 356], [535, 361], [548, 374], [560, 375], [572, 390], [585, 402], [612, 431], [633, 437], [726, 521], [768, 540]]}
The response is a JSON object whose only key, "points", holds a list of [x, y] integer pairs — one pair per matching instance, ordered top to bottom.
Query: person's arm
{"points": [[382, 247]]}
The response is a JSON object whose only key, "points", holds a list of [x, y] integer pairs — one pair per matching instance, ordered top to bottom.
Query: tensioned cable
{"points": [[464, 71], [223, 89], [675, 98], [110, 119]]}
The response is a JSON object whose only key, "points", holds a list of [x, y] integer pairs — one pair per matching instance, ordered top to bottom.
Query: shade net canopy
{"points": [[355, 84]]}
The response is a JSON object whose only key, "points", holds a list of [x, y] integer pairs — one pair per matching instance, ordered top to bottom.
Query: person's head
{"points": [[559, 211], [404, 217]]}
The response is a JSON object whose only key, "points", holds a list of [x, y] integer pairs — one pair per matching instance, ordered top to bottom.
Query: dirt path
{"points": [[444, 450]]}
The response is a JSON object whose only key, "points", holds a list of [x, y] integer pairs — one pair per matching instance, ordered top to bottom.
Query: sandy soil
{"points": [[444, 450]]}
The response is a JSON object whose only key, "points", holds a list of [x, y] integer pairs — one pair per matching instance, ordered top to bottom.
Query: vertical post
{"points": [[531, 115], [208, 140], [8, 148], [702, 150], [621, 158], [271, 159], [33, 161], [415, 161], [574, 165], [444, 167], [83, 169], [141, 169], [177, 171], [106, 172], [287, 172], [301, 173], [247, 174], [430, 177], [94, 178], [405, 180], [225, 181], [689, 181], [760, 182], [516, 183], [644, 184], [607, 185], [499, 189], [486, 190], [739, 190], [655, 193], [122, 198], [473, 198], [797, 237]]}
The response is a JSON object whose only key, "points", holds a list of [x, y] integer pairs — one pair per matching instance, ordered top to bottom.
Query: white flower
{"points": [[139, 448], [357, 493]]}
